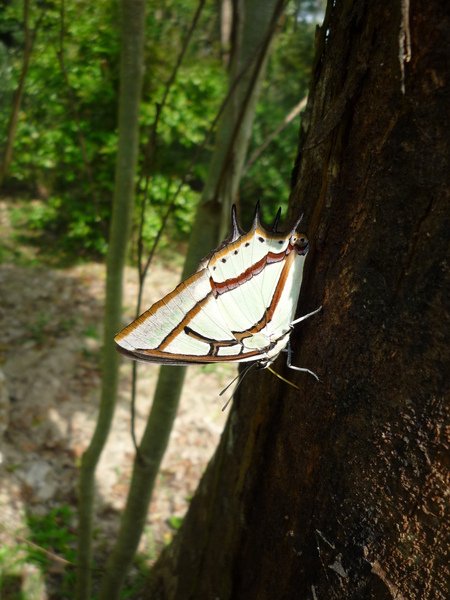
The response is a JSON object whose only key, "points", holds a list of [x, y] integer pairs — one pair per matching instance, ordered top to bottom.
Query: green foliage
{"points": [[66, 140], [175, 522], [52, 532], [51, 537], [18, 579]]}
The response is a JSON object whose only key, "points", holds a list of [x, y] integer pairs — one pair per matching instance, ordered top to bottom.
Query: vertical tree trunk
{"points": [[131, 69], [220, 189], [337, 491]]}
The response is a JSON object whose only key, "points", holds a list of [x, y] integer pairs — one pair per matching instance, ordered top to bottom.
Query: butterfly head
{"points": [[300, 243]]}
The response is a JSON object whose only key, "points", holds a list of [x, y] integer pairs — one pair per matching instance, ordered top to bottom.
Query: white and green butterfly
{"points": [[238, 307]]}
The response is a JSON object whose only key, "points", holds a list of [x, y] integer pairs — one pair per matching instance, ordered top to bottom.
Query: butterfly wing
{"points": [[235, 308]]}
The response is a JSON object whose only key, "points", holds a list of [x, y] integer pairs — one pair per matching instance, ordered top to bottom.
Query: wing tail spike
{"points": [[257, 217], [276, 221], [236, 230]]}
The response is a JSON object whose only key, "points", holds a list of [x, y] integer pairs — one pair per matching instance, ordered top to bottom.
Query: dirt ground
{"points": [[50, 332]]}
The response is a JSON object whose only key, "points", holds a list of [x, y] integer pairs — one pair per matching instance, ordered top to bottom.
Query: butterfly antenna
{"points": [[240, 377], [283, 378]]}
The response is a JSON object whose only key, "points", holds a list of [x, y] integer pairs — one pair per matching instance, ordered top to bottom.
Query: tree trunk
{"points": [[131, 70], [337, 491]]}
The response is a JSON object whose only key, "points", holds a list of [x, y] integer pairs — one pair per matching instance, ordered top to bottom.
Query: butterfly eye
{"points": [[300, 243]]}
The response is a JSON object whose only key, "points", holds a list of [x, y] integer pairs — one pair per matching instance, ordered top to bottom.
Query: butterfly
{"points": [[238, 307]]}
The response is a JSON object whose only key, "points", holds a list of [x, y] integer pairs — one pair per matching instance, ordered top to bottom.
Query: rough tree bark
{"points": [[337, 491]]}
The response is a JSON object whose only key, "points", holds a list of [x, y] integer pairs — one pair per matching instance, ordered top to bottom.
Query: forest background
{"points": [[59, 68], [65, 142]]}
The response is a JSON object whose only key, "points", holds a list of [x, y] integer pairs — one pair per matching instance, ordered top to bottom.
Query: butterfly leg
{"points": [[300, 319], [291, 366]]}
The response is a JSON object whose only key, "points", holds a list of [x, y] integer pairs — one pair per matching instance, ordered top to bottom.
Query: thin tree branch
{"points": [[30, 38], [258, 61], [286, 121], [152, 141], [150, 149]]}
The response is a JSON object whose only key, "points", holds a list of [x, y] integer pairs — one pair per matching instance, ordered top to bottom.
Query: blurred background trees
{"points": [[60, 74], [66, 135]]}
